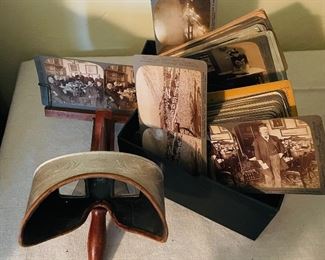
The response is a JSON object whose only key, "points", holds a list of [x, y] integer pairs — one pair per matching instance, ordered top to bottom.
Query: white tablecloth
{"points": [[297, 232]]}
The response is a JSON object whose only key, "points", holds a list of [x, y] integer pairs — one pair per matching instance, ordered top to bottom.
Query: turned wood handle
{"points": [[103, 132], [102, 140], [97, 234]]}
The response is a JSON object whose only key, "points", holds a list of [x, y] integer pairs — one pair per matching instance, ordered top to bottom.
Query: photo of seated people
{"points": [[87, 85], [120, 87], [271, 154], [224, 160]]}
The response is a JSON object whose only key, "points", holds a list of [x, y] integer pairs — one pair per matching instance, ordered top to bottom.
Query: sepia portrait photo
{"points": [[237, 59], [269, 155]]}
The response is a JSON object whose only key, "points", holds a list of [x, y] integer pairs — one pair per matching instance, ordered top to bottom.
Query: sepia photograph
{"points": [[178, 21], [234, 60], [233, 65], [87, 85], [119, 90], [171, 99], [182, 149], [223, 153], [268, 155]]}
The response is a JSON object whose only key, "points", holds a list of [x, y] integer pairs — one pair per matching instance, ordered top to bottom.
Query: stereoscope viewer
{"points": [[127, 186]]}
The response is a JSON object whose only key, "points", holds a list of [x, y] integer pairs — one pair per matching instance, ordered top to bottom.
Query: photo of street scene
{"points": [[178, 21], [88, 85], [171, 99], [182, 149]]}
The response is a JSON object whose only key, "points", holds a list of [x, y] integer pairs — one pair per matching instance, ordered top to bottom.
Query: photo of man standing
{"points": [[268, 152]]}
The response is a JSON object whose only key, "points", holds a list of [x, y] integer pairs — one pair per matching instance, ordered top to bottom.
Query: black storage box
{"points": [[247, 214]]}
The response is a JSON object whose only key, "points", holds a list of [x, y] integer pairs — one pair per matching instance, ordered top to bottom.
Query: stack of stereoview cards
{"points": [[243, 52], [263, 101], [244, 133], [256, 143]]}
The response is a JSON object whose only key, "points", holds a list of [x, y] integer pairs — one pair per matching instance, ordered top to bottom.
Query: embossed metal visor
{"points": [[65, 189]]}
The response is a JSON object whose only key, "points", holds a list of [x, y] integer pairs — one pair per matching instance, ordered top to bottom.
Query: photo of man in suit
{"points": [[268, 152]]}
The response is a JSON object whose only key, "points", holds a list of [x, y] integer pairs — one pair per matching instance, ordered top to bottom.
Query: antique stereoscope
{"points": [[67, 189]]}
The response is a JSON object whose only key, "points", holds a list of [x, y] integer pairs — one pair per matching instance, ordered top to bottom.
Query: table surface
{"points": [[297, 231]]}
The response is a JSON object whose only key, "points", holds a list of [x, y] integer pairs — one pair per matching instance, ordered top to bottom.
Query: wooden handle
{"points": [[103, 132], [102, 140], [97, 234]]}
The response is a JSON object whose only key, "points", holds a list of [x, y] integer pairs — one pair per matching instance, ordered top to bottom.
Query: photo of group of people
{"points": [[84, 84], [267, 154]]}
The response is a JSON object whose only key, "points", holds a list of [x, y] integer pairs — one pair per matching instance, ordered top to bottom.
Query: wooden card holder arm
{"points": [[102, 140]]}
